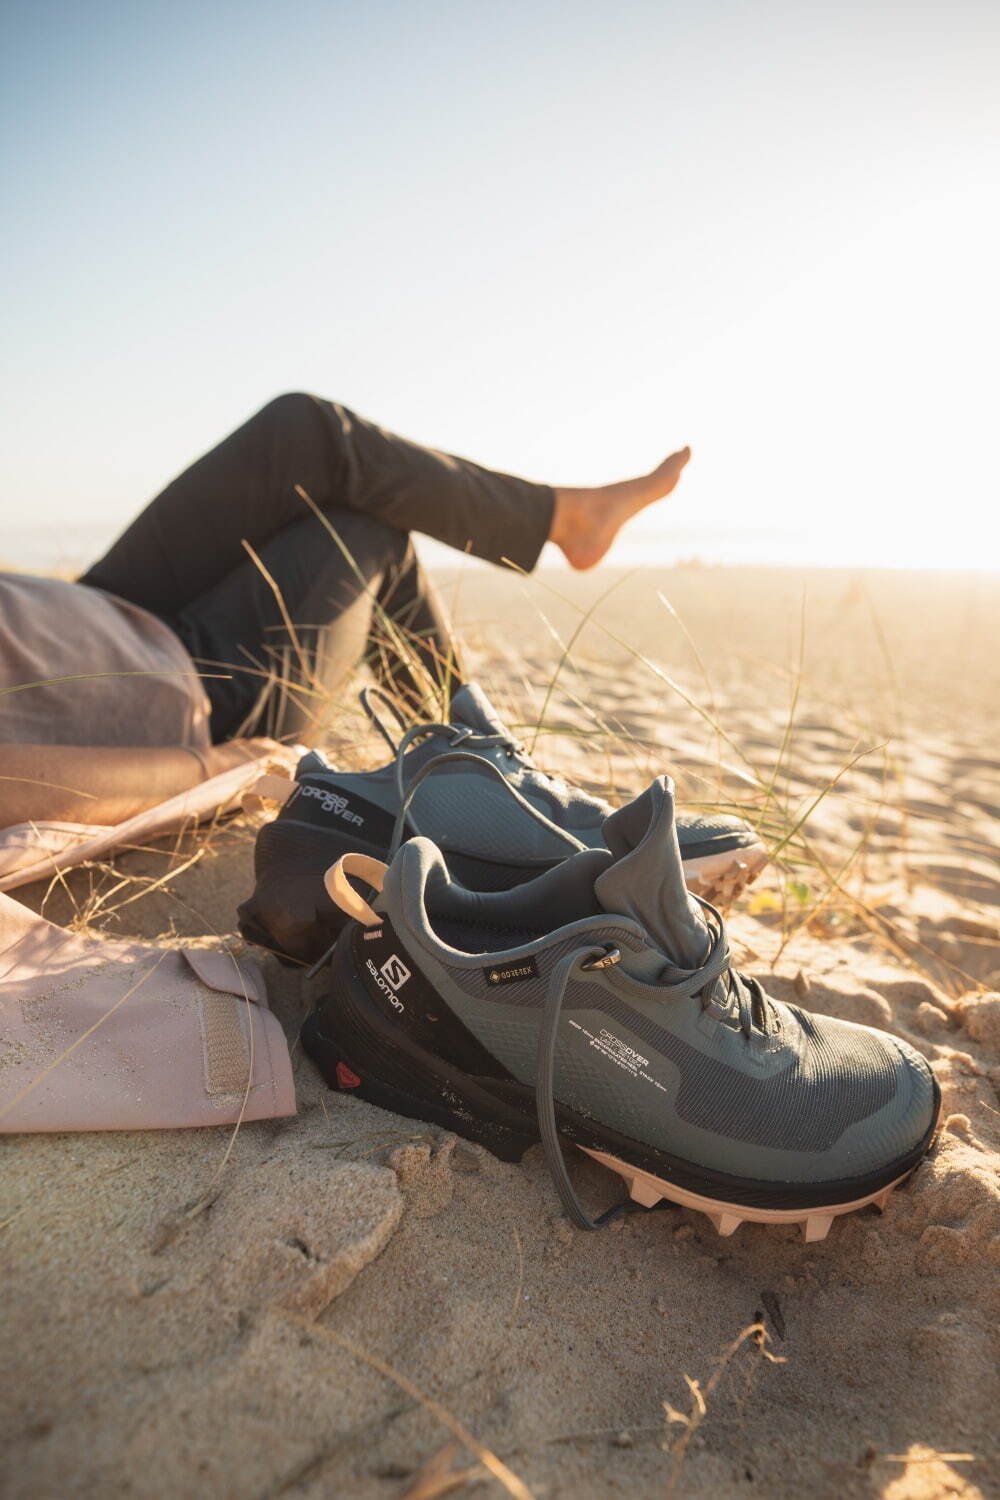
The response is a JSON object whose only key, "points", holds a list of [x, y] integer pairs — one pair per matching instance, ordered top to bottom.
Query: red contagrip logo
{"points": [[345, 1078]]}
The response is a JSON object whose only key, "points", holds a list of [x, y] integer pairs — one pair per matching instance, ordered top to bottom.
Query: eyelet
{"points": [[612, 955]]}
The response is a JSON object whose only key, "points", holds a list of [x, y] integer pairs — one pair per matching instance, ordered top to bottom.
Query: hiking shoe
{"points": [[498, 819], [596, 1005]]}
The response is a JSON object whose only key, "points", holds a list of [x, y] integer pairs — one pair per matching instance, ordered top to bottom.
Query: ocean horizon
{"points": [[69, 548]]}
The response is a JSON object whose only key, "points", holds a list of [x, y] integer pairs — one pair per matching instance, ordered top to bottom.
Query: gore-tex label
{"points": [[522, 968], [615, 1050]]}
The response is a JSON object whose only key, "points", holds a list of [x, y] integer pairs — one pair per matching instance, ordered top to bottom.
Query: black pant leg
{"points": [[495, 516], [189, 539], [280, 642]]}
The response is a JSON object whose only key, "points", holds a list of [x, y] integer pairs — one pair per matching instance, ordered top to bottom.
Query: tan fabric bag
{"points": [[100, 1035]]}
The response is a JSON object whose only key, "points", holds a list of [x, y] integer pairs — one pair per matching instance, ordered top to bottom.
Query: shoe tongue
{"points": [[471, 708], [646, 880]]}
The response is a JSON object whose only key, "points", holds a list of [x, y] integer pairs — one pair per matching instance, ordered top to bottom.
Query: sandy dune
{"points": [[180, 1322]]}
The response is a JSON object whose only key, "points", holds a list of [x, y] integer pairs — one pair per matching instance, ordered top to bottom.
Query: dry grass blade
{"points": [[674, 614], [581, 625], [394, 634], [293, 635], [650, 666], [23, 687], [792, 709], [627, 744], [53, 786], [824, 792], [58, 879], [148, 884], [816, 908], [901, 945], [12, 1218], [519, 1290], [692, 1420], [929, 1458], [437, 1477], [510, 1481]]}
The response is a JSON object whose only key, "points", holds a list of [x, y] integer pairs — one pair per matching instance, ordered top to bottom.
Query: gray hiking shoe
{"points": [[498, 819], [596, 1004]]}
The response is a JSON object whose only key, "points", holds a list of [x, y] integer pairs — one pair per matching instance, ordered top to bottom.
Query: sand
{"points": [[182, 1322]]}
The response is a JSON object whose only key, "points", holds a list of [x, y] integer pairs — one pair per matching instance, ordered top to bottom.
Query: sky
{"points": [[560, 237]]}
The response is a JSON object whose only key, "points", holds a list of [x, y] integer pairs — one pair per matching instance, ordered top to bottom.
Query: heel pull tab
{"points": [[343, 894]]}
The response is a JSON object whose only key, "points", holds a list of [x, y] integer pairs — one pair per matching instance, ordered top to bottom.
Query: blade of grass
{"points": [[510, 1481]]}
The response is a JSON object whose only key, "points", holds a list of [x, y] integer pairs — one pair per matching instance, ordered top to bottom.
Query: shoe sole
{"points": [[722, 878], [291, 915], [357, 1051], [647, 1190]]}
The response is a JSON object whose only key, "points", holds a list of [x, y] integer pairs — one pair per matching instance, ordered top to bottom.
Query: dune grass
{"points": [[811, 887]]}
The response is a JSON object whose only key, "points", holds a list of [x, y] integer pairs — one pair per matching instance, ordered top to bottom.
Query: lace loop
{"points": [[372, 694]]}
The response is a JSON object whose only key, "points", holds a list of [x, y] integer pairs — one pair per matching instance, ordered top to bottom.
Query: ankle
{"points": [[568, 518]]}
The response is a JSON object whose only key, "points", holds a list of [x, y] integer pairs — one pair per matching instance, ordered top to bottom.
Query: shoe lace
{"points": [[457, 734], [405, 793], [753, 1009]]}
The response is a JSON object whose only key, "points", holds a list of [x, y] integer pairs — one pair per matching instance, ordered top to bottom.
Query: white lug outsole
{"points": [[722, 878], [727, 1217]]}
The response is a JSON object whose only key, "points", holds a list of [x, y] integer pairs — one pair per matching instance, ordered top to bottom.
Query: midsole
{"points": [[753, 857], [369, 1041], [646, 1188]]}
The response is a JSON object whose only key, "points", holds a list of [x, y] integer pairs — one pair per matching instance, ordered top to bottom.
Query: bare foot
{"points": [[586, 522]]}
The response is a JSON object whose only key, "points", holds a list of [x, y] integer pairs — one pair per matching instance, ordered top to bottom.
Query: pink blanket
{"points": [[100, 1035]]}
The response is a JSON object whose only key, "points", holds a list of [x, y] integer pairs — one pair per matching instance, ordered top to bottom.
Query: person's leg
{"points": [[191, 536], [289, 634]]}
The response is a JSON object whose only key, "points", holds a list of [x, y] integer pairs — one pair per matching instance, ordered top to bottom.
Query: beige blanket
{"points": [[34, 851]]}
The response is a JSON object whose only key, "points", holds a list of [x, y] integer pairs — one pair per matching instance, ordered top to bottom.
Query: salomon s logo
{"points": [[395, 971], [390, 977]]}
